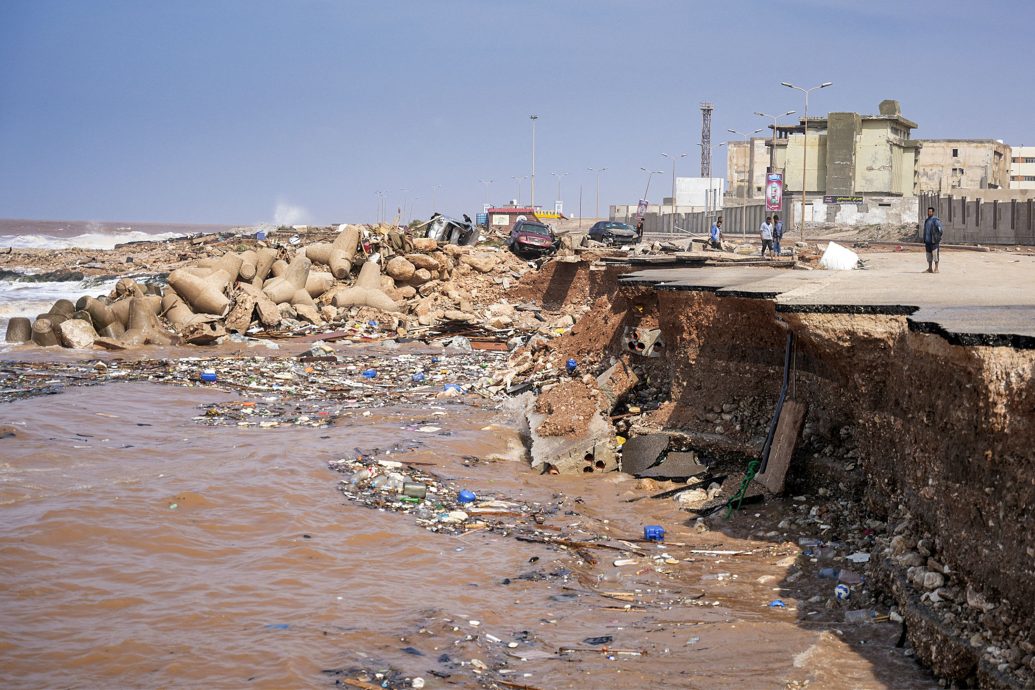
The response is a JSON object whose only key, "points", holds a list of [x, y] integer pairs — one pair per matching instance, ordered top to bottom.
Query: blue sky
{"points": [[253, 111]]}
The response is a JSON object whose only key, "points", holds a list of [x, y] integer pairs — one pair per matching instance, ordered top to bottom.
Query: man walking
{"points": [[766, 230], [777, 233], [716, 234], [932, 239]]}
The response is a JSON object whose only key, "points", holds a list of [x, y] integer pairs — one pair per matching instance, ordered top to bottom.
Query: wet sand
{"points": [[263, 575]]}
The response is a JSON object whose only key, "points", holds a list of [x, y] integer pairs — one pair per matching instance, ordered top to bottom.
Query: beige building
{"points": [[850, 154], [746, 164], [947, 164], [1022, 167]]}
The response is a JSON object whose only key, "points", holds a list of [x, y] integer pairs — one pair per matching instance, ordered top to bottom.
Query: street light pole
{"points": [[533, 118], [805, 145], [772, 148], [673, 159], [597, 171], [650, 173], [559, 176], [486, 183], [434, 196], [710, 200]]}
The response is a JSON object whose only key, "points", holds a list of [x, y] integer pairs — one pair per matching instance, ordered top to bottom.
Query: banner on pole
{"points": [[773, 191], [641, 208]]}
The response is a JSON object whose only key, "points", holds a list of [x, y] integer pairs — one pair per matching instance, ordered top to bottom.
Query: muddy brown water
{"points": [[264, 576]]}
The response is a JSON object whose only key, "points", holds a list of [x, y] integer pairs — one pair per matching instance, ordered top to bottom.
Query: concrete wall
{"points": [[842, 131], [790, 162], [978, 164], [695, 191], [891, 210], [736, 221], [983, 222]]}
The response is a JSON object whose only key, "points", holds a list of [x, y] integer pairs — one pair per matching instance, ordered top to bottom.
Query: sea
{"points": [[27, 295]]}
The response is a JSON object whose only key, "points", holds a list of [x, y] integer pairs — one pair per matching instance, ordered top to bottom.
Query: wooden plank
{"points": [[788, 431]]}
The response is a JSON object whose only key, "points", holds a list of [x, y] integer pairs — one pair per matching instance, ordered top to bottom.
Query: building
{"points": [[850, 154], [746, 164], [947, 164], [1022, 167], [693, 194]]}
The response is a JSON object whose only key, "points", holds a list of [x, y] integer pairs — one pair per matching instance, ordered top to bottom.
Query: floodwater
{"points": [[140, 548]]}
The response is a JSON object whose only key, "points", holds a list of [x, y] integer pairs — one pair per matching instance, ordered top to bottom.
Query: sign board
{"points": [[773, 191], [834, 199], [558, 207], [641, 208], [500, 219]]}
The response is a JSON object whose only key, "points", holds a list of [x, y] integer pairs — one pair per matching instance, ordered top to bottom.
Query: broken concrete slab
{"points": [[641, 452], [676, 465]]}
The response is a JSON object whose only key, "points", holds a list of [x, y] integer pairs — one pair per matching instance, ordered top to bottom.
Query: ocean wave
{"points": [[89, 240], [19, 298]]}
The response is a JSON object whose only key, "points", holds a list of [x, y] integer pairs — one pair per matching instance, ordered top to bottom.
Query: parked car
{"points": [[613, 232], [532, 237]]}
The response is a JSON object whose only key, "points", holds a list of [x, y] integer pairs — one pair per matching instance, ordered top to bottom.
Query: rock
{"points": [[425, 244], [423, 261], [483, 263], [400, 268], [420, 276], [328, 312], [309, 313], [454, 315], [240, 317], [566, 321], [500, 322], [77, 333], [203, 333], [694, 498], [900, 544], [932, 580], [976, 600]]}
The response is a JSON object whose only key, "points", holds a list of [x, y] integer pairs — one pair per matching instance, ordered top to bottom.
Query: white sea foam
{"points": [[89, 240]]}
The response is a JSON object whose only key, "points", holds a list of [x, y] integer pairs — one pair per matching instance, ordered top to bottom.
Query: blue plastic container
{"points": [[260, 235], [570, 366], [370, 374], [208, 376], [418, 377], [453, 387], [465, 496], [654, 533]]}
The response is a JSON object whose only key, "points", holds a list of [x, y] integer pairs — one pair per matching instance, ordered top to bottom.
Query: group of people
{"points": [[771, 231]]}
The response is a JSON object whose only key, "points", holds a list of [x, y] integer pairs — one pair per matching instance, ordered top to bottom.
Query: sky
{"points": [[303, 111]]}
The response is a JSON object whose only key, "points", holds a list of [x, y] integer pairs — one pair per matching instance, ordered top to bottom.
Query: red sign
{"points": [[773, 191]]}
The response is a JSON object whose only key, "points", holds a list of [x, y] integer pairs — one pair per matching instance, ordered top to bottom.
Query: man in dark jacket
{"points": [[932, 239]]}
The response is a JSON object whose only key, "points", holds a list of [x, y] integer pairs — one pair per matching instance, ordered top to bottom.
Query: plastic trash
{"points": [[260, 235], [838, 258], [570, 366], [370, 373], [208, 375], [418, 377], [453, 387], [415, 490], [465, 496], [654, 533], [829, 573], [842, 593], [777, 604], [859, 616], [603, 639]]}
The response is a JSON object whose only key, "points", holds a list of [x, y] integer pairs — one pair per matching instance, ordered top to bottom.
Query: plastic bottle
{"points": [[570, 366], [370, 373], [415, 490], [465, 496]]}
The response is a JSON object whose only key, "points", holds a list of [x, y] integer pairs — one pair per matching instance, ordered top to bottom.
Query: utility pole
{"points": [[533, 118], [805, 145], [772, 147], [673, 159], [597, 171], [559, 176]]}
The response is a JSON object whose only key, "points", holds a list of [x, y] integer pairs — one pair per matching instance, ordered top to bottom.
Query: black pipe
{"points": [[768, 446]]}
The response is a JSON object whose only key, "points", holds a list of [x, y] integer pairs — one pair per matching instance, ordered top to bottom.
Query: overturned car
{"points": [[444, 229]]}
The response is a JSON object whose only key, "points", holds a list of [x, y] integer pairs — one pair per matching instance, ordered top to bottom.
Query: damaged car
{"points": [[445, 229], [612, 232], [532, 238]]}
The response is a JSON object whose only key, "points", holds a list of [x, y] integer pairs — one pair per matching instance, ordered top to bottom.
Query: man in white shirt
{"points": [[766, 230]]}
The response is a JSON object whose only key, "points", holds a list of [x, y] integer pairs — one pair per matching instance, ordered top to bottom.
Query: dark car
{"points": [[613, 232], [532, 237]]}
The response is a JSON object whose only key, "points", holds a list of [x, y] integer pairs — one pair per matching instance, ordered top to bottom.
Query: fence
{"points": [[736, 220], [983, 222]]}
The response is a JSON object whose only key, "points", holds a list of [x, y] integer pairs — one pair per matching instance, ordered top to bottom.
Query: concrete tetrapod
{"points": [[264, 259], [248, 261], [318, 282], [283, 288], [366, 292], [202, 294], [64, 307], [100, 313], [143, 325], [19, 330], [44, 333]]}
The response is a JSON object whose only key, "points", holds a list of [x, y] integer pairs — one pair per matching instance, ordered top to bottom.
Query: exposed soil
{"points": [[570, 405]]}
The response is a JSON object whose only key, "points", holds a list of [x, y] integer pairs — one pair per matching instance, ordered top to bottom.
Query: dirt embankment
{"points": [[932, 441]]}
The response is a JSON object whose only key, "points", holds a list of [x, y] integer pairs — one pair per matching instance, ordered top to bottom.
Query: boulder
{"points": [[425, 244], [423, 261], [483, 263], [400, 268], [420, 276], [77, 334]]}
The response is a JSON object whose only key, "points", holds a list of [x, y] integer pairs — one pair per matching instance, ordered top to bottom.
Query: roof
{"points": [[512, 209]]}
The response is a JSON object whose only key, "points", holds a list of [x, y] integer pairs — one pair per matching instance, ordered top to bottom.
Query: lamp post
{"points": [[533, 118], [747, 136], [805, 144], [772, 148], [673, 158], [597, 171], [650, 173], [558, 176], [518, 179], [486, 183], [434, 196], [709, 200], [380, 204]]}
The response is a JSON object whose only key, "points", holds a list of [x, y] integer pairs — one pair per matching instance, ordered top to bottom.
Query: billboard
{"points": [[773, 191], [641, 208]]}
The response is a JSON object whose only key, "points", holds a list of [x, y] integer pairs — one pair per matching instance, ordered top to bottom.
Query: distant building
{"points": [[850, 154], [746, 163], [947, 164], [1022, 167], [505, 216]]}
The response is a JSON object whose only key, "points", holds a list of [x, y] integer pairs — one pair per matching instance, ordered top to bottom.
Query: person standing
{"points": [[639, 228], [766, 230], [777, 233], [716, 234], [932, 239]]}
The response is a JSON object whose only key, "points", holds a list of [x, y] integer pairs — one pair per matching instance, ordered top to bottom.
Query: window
{"points": [[955, 153]]}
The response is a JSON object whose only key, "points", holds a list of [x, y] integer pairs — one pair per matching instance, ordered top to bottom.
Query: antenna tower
{"points": [[706, 139]]}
